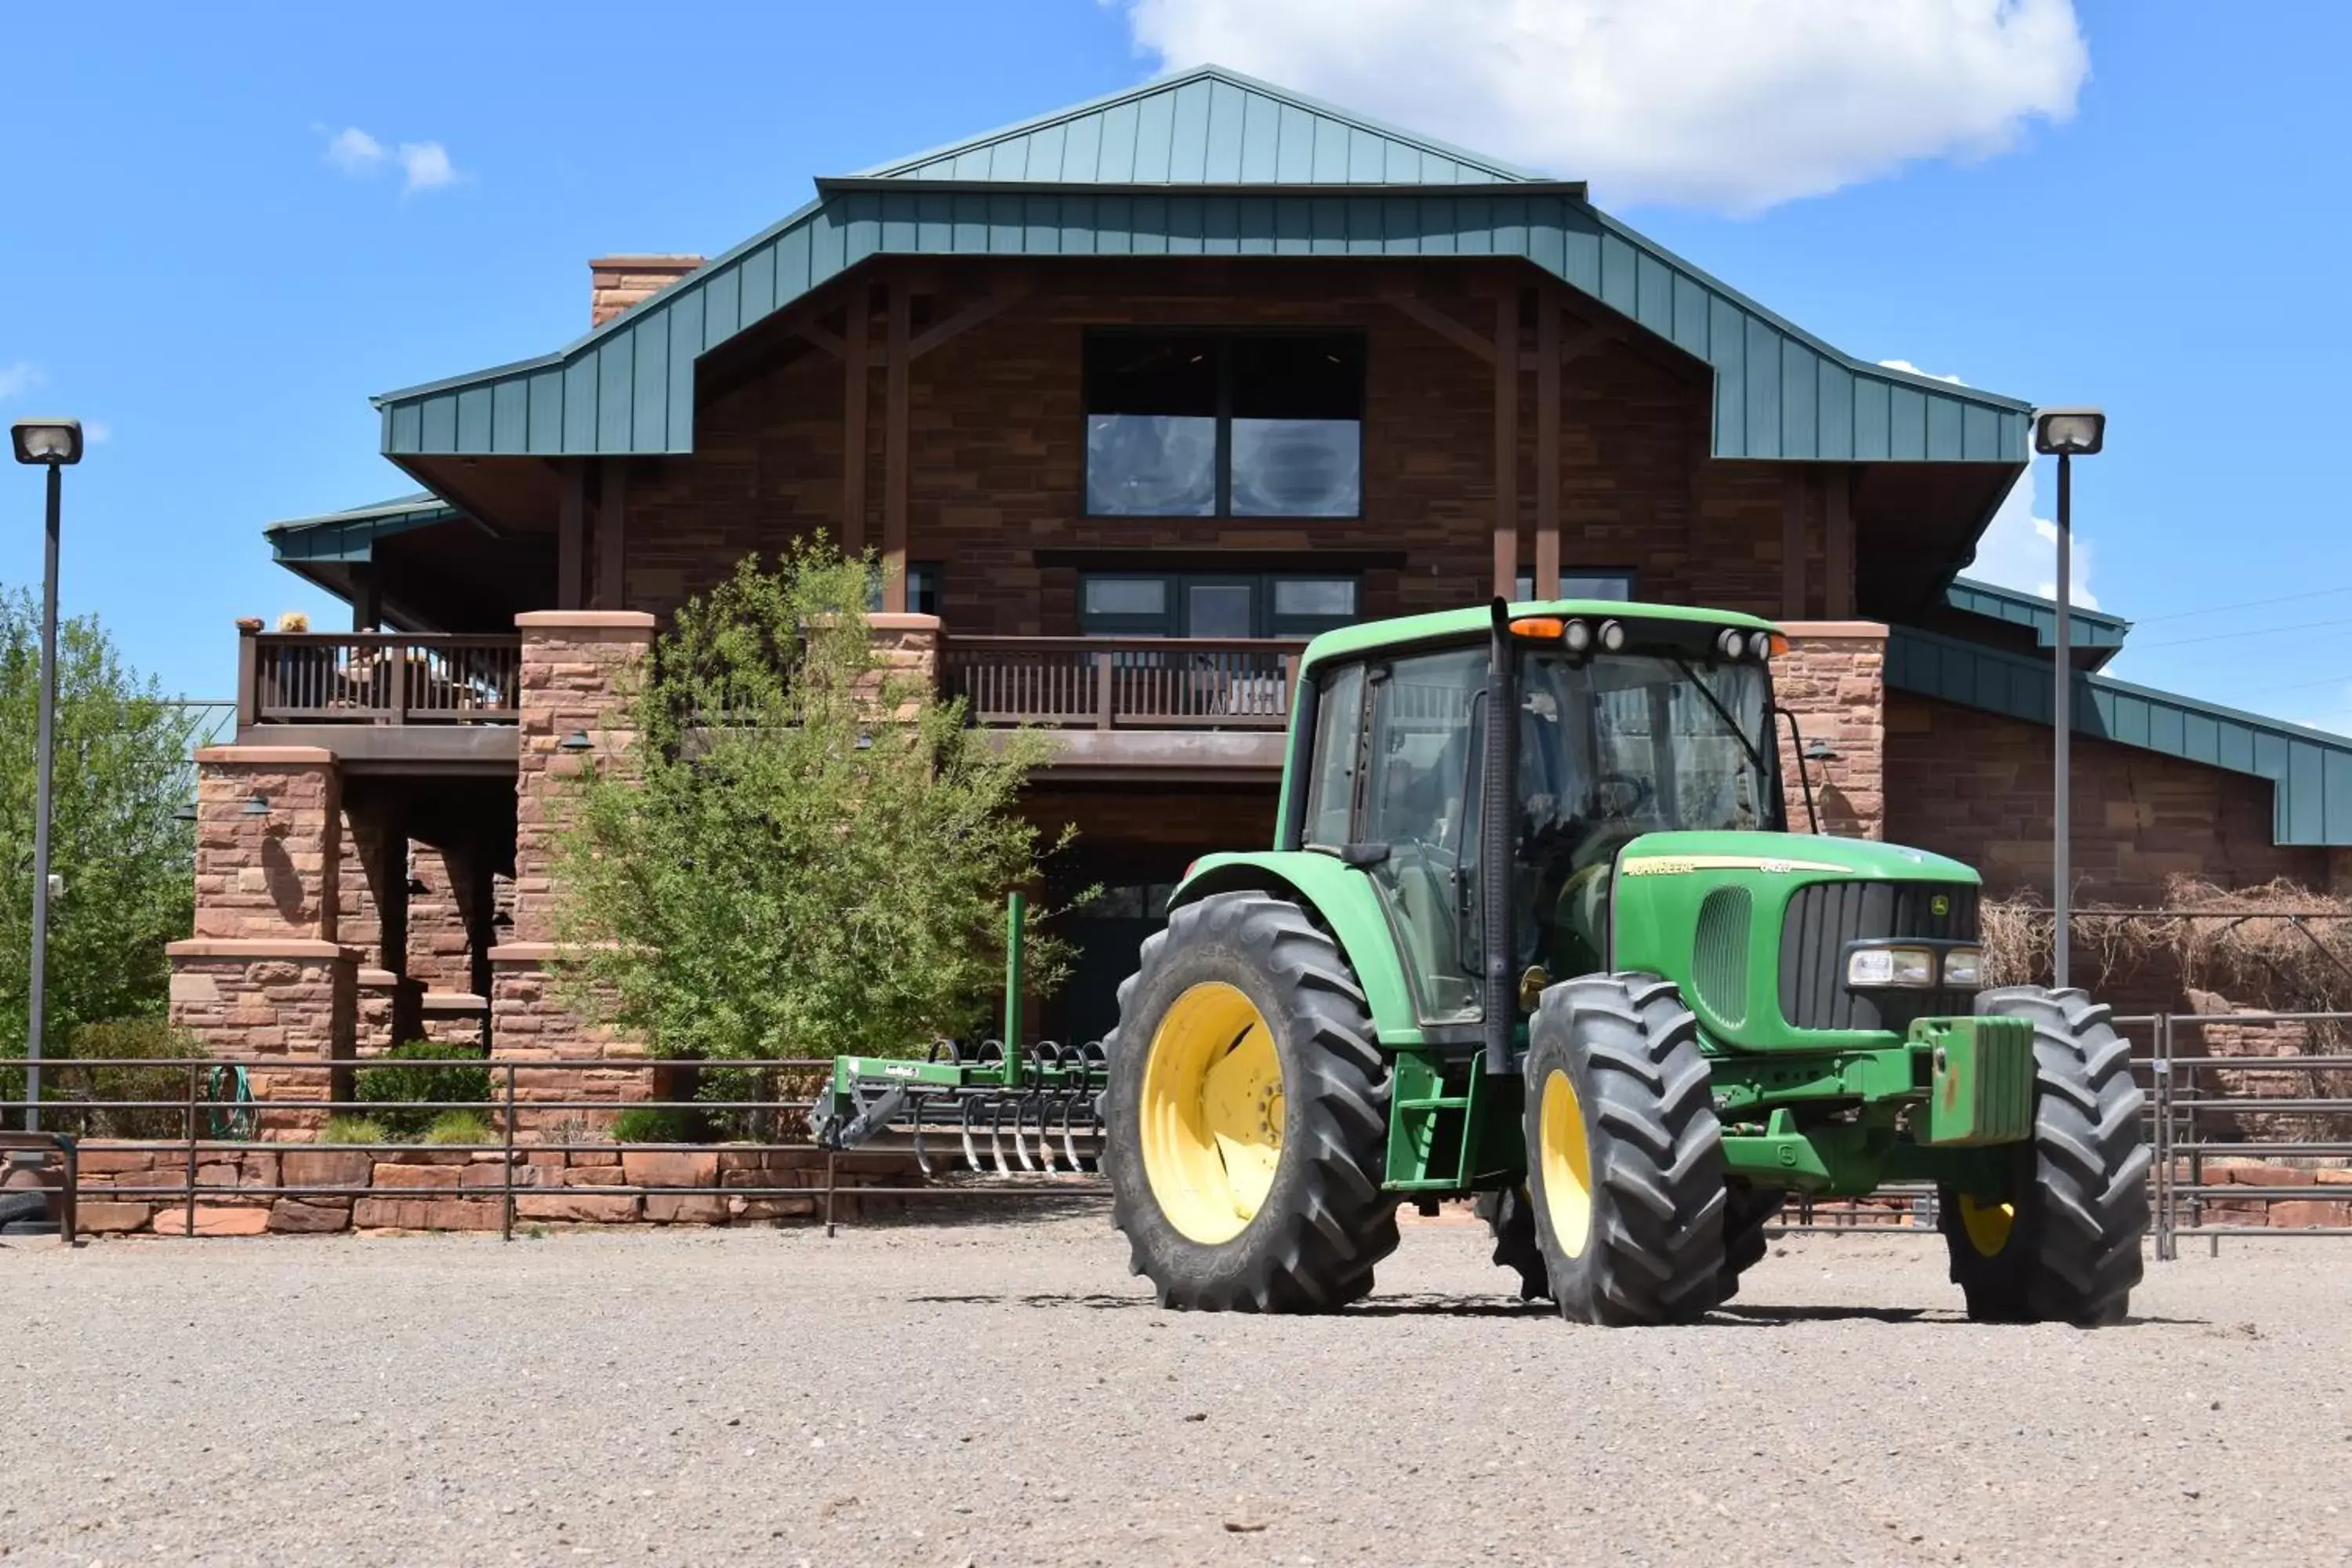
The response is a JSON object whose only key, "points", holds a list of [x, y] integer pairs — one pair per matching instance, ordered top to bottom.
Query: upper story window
{"points": [[1224, 424], [1585, 584], [922, 589]]}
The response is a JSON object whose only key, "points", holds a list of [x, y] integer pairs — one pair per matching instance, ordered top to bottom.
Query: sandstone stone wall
{"points": [[1833, 678], [270, 873], [257, 1002], [139, 1188]]}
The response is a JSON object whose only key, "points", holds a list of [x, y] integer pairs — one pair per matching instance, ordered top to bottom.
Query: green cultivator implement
{"points": [[1535, 930], [1001, 1110]]}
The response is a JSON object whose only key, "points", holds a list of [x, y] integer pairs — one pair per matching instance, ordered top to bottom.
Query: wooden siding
{"points": [[1211, 126], [1779, 392], [2311, 771]]}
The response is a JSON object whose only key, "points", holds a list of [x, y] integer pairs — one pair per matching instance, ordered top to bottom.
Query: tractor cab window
{"points": [[1615, 747], [1420, 786]]}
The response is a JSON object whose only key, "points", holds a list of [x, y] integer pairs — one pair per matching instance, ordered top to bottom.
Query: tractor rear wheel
{"points": [[1246, 1116], [1625, 1153], [1747, 1210], [1510, 1217], [2060, 1242]]}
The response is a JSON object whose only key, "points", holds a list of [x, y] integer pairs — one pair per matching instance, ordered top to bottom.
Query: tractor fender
{"points": [[1343, 901]]}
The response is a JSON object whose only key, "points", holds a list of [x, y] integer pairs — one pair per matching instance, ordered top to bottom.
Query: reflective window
{"points": [[1238, 425], [1576, 584], [1127, 596], [1333, 596], [1339, 718], [1418, 801]]}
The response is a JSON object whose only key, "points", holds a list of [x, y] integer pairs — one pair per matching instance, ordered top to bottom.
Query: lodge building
{"points": [[1130, 399]]}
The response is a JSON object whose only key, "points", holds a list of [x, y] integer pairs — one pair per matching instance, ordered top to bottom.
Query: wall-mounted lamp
{"points": [[577, 740], [1820, 751], [255, 806], [187, 812]]}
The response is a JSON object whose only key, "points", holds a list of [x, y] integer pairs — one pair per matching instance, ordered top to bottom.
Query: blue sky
{"points": [[217, 274]]}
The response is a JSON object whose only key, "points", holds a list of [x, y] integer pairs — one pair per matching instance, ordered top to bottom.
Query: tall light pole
{"points": [[2066, 433], [52, 444]]}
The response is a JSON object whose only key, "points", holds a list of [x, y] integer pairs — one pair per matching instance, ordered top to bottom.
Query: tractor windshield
{"points": [[1616, 747]]}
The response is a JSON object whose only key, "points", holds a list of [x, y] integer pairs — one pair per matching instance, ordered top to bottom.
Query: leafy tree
{"points": [[122, 772], [806, 850]]}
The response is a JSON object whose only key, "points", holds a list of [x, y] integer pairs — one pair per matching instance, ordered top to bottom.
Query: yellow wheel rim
{"points": [[1213, 1111], [1564, 1155], [1986, 1224]]}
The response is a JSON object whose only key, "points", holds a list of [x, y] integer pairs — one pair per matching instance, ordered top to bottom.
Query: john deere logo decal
{"points": [[1941, 905]]}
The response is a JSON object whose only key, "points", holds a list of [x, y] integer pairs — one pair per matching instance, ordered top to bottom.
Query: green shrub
{"points": [[140, 1039], [400, 1096], [652, 1124], [461, 1127], [350, 1128]]}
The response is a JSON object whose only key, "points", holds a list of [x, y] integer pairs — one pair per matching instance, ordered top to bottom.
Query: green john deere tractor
{"points": [[1535, 929]]}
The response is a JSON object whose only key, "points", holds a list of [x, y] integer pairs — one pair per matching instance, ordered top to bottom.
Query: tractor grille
{"points": [[1824, 916]]}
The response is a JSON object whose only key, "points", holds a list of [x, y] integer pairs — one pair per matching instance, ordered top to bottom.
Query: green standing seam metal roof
{"points": [[1214, 170], [351, 535], [2090, 630], [2310, 769]]}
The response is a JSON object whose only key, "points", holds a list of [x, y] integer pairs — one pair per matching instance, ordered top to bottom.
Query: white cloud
{"points": [[1735, 105], [354, 152], [427, 164], [424, 165], [1907, 368], [19, 378], [2020, 550]]}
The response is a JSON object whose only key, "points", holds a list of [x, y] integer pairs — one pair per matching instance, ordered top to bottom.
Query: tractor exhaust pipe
{"points": [[1497, 814]]}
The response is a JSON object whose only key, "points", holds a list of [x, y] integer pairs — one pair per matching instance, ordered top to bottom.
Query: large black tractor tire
{"points": [[1246, 1116], [1624, 1153], [1747, 1210], [1510, 1219], [2062, 1242]]}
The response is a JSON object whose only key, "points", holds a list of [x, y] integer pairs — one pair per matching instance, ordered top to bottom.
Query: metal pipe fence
{"points": [[214, 1095], [2199, 1101]]}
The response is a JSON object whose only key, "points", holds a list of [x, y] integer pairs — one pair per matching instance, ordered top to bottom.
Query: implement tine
{"points": [[1019, 1144], [1069, 1144], [995, 1147], [922, 1155], [970, 1155]]}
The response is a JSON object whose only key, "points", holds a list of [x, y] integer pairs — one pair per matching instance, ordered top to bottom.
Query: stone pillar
{"points": [[908, 644], [575, 664], [1833, 678], [265, 976]]}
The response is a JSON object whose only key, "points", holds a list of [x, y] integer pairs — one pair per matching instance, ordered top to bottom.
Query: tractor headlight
{"points": [[1612, 636], [1577, 637], [1732, 644], [1760, 645], [1869, 968], [1964, 968]]}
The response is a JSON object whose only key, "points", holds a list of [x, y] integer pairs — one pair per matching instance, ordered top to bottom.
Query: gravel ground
{"points": [[1005, 1393]]}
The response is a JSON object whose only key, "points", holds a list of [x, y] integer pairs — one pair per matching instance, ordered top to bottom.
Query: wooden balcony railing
{"points": [[377, 678], [1111, 683]]}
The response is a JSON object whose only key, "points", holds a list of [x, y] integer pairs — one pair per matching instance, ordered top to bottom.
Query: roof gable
{"points": [[1208, 126], [628, 386]]}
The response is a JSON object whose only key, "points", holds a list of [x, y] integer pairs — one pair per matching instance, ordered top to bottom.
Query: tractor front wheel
{"points": [[1246, 1117], [1625, 1153], [2060, 1241]]}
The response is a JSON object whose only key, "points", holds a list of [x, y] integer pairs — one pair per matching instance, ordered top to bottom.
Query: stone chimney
{"points": [[617, 282]]}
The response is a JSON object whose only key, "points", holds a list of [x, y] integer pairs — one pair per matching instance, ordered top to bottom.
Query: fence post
{"points": [[1104, 664], [2161, 1075], [192, 1150], [506, 1220]]}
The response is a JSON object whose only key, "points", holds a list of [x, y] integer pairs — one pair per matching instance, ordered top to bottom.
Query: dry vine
{"points": [[2276, 948]]}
